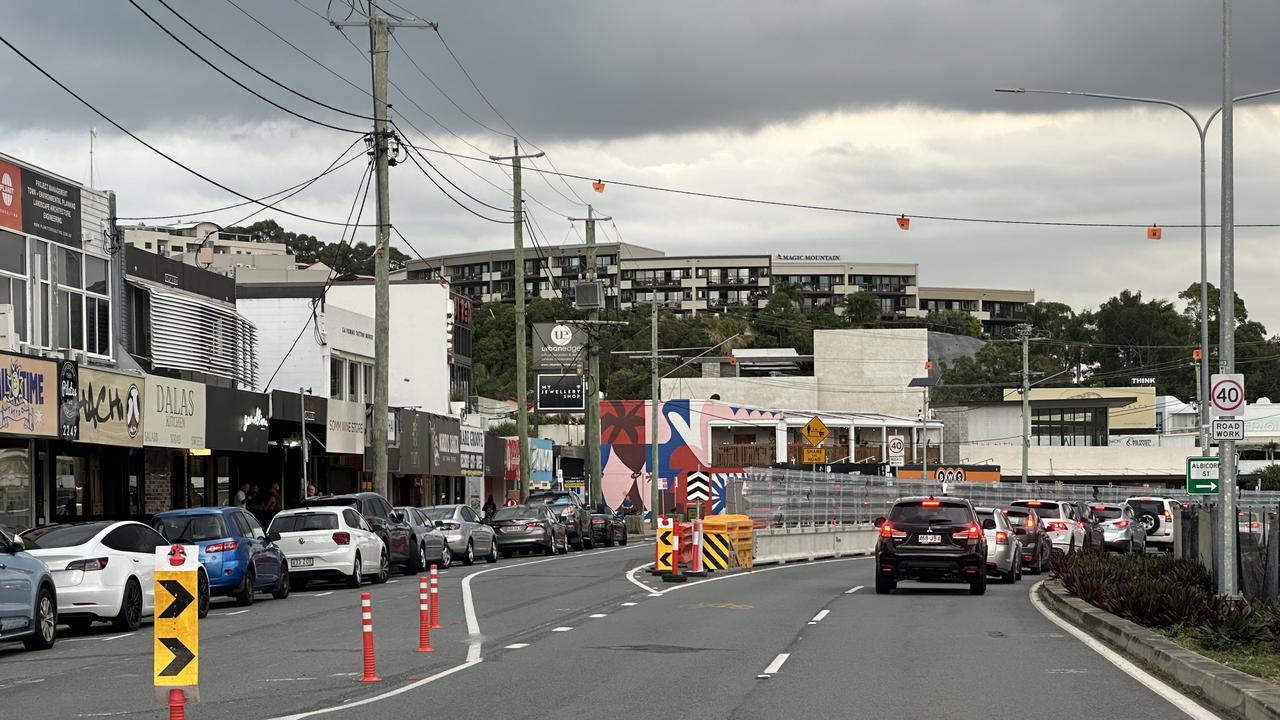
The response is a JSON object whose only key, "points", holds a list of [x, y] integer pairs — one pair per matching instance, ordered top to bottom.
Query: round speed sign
{"points": [[1226, 395], [896, 446]]}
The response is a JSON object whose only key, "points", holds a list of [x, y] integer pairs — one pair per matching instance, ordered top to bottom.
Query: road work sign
{"points": [[1202, 475], [177, 634]]}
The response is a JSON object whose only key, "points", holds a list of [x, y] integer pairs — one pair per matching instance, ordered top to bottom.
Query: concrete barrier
{"points": [[783, 545]]}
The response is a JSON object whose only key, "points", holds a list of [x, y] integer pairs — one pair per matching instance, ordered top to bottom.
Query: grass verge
{"points": [[1258, 659]]}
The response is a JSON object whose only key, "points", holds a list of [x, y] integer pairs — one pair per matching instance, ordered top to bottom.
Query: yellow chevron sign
{"points": [[177, 634]]}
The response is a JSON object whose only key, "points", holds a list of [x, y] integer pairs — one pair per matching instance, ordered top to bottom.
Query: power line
{"points": [[424, 74], [455, 200]]}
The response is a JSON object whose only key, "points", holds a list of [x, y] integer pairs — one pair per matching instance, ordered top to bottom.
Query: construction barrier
{"points": [[734, 538], [783, 545], [717, 551]]}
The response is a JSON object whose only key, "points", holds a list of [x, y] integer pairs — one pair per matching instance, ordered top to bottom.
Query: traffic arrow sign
{"points": [[697, 487], [181, 599], [176, 654], [182, 657]]}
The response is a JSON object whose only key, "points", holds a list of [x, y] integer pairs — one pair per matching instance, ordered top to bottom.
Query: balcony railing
{"points": [[756, 455]]}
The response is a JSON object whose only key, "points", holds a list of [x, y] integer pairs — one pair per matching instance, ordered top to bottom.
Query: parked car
{"points": [[569, 508], [1156, 516], [383, 521], [1060, 522], [1120, 527], [528, 528], [607, 529], [1093, 535], [468, 537], [931, 539], [332, 542], [1036, 545], [1004, 546], [433, 549], [234, 550], [104, 571], [28, 597]]}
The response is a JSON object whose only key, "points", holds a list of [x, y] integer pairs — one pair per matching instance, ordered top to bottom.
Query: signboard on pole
{"points": [[558, 346], [561, 393], [1226, 394], [1228, 429], [815, 431], [897, 452], [813, 455], [1202, 475], [697, 487], [177, 634]]}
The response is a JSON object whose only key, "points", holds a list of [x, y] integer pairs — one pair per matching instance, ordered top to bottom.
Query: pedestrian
{"points": [[311, 490], [242, 496], [489, 507], [626, 507]]}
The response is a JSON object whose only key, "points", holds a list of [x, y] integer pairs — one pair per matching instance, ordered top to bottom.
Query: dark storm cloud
{"points": [[604, 69]]}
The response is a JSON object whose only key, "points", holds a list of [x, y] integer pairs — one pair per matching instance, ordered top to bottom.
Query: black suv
{"points": [[568, 508], [389, 524], [931, 539]]}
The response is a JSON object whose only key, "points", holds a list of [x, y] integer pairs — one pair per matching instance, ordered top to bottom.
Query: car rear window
{"points": [[550, 499], [1140, 507], [1043, 509], [916, 512], [1103, 512], [439, 513], [515, 513], [1017, 519], [302, 522], [195, 528], [56, 536]]}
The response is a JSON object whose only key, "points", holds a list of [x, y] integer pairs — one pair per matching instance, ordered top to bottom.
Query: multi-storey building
{"points": [[175, 241], [999, 310]]}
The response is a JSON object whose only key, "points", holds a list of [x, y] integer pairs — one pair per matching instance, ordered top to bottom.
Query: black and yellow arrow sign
{"points": [[177, 634]]}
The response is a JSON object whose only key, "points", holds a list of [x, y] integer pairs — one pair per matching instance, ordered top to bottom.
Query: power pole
{"points": [[379, 32], [1226, 314], [1024, 331], [522, 362], [593, 365], [654, 392]]}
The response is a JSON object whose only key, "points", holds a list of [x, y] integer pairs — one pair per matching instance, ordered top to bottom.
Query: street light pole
{"points": [[1202, 132], [1226, 313]]}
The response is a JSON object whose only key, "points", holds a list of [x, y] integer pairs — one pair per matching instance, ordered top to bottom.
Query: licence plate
{"points": [[510, 529], [929, 539], [302, 562]]}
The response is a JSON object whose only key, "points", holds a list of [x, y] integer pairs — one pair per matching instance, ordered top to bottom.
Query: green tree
{"points": [[345, 258], [956, 322], [780, 324], [1065, 338], [1147, 338], [985, 376]]}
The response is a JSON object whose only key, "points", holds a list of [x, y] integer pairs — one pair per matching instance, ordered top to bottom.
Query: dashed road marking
{"points": [[853, 589], [628, 604], [597, 616], [818, 618], [561, 629], [516, 646], [774, 666]]}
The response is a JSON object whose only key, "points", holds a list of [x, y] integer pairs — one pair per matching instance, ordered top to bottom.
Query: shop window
{"points": [[335, 378], [15, 487], [70, 489]]}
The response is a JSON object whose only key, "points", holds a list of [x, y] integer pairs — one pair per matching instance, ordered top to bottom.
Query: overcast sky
{"points": [[884, 106]]}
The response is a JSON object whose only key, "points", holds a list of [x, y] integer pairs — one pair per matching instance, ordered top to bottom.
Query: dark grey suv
{"points": [[931, 539]]}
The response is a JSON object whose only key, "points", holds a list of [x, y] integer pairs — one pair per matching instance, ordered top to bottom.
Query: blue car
{"points": [[237, 554], [28, 598]]}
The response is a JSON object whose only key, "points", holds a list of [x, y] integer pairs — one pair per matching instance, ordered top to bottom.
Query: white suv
{"points": [[1156, 516], [1061, 522]]}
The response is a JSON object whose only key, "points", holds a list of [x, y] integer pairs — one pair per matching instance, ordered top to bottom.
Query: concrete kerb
{"points": [[1238, 693]]}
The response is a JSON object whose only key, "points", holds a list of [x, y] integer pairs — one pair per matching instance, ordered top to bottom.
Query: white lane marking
{"points": [[749, 573], [631, 577], [392, 582], [853, 589], [326, 592], [655, 593], [628, 604], [229, 614], [597, 616], [818, 618], [561, 629], [115, 637], [516, 646], [776, 665], [344, 674], [297, 679], [1152, 683], [381, 696]]}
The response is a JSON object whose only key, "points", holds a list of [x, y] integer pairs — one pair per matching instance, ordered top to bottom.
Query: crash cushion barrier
{"points": [[737, 530], [783, 545]]}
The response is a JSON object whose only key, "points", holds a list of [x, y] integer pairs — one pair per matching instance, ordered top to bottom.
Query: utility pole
{"points": [[379, 32], [1226, 313], [1024, 331], [522, 361], [593, 365], [654, 392], [302, 418], [924, 418]]}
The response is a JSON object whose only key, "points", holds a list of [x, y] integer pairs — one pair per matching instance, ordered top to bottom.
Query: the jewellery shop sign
{"points": [[28, 396], [175, 414]]}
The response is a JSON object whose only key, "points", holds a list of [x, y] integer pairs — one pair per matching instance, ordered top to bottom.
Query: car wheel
{"points": [[1150, 522], [608, 538], [588, 540], [623, 541], [580, 544], [551, 547], [446, 557], [470, 557], [492, 557], [414, 566], [384, 568], [1018, 575], [356, 577], [1011, 577], [885, 584], [978, 585], [282, 587], [202, 596], [244, 596], [130, 616], [46, 622]]}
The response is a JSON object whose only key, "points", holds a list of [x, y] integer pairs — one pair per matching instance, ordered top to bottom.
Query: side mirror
{"points": [[880, 521], [273, 536], [12, 548]]}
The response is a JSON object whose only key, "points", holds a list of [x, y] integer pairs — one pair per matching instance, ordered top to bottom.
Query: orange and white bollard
{"points": [[695, 562], [675, 576], [435, 598], [424, 618], [366, 621], [177, 704]]}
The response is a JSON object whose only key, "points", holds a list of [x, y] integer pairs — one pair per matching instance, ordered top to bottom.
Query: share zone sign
{"points": [[177, 634]]}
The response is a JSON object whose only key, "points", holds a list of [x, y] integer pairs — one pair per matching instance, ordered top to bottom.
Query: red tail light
{"points": [[931, 503], [1099, 507], [597, 521], [1122, 523], [1055, 525], [887, 531], [973, 532], [1002, 537], [342, 538], [227, 546], [88, 565]]}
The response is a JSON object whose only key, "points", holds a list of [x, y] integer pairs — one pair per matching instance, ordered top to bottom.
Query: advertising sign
{"points": [[36, 204], [558, 346], [561, 393], [28, 396], [68, 400], [111, 408], [175, 414], [235, 420], [344, 431], [415, 443], [445, 445], [471, 447], [512, 456], [541, 460]]}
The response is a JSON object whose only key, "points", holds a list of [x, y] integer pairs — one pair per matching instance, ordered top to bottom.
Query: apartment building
{"points": [[175, 241], [999, 310]]}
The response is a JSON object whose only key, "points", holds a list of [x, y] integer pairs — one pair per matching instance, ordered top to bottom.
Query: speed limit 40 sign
{"points": [[1226, 395]]}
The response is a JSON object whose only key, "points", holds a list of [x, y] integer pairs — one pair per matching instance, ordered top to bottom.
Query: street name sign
{"points": [[1226, 394], [1228, 429], [815, 431], [1202, 475], [177, 634]]}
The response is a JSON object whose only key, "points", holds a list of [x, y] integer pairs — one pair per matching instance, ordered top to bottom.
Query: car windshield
{"points": [[1043, 509], [518, 512], [1103, 512], [439, 513], [918, 513], [301, 522], [195, 528], [56, 536]]}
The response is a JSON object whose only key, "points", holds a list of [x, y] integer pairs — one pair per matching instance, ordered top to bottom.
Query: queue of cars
{"points": [[80, 573]]}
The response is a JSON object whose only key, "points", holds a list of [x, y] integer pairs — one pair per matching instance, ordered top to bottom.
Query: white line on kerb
{"points": [[853, 589], [237, 612], [818, 618], [776, 665], [1152, 683], [381, 696]]}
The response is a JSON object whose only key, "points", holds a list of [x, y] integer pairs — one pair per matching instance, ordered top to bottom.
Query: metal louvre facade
{"points": [[188, 333]]}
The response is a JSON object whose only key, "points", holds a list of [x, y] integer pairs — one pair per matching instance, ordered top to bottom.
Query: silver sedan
{"points": [[468, 537], [1004, 546], [433, 549]]}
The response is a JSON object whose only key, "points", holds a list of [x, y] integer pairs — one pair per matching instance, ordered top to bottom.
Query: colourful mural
{"points": [[684, 442]]}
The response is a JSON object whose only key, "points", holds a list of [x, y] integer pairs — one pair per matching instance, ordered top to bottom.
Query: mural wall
{"points": [[684, 442]]}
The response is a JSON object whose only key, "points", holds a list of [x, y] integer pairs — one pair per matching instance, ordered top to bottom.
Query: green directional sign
{"points": [[1202, 475]]}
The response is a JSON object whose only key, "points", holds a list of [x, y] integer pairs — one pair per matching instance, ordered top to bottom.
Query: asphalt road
{"points": [[574, 637]]}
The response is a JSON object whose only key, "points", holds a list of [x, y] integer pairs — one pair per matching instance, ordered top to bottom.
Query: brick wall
{"points": [[157, 468]]}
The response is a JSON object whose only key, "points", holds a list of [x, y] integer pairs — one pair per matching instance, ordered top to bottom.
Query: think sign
{"points": [[1202, 475]]}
